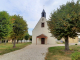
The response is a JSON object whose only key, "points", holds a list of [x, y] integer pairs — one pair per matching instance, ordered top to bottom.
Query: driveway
{"points": [[31, 52]]}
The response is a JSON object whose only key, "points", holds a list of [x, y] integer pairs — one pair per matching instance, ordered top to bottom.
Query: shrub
{"points": [[64, 42], [75, 44], [75, 56]]}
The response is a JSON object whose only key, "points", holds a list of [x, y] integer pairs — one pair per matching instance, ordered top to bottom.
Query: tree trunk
{"points": [[0, 40], [17, 41], [21, 41], [24, 41], [5, 42], [14, 43], [66, 43]]}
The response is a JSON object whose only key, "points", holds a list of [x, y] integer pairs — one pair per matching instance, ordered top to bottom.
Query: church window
{"points": [[42, 24]]}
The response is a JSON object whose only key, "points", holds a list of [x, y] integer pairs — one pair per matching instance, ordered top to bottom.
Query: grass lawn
{"points": [[9, 47], [58, 53]]}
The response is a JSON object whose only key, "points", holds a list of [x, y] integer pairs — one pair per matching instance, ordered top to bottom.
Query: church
{"points": [[40, 34]]}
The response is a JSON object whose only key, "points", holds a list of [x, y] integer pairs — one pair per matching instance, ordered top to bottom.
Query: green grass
{"points": [[9, 47], [58, 53]]}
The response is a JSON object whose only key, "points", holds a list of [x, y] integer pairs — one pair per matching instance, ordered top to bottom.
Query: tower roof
{"points": [[43, 11], [43, 14]]}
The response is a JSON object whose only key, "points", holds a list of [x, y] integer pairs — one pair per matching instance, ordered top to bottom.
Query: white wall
{"points": [[38, 30]]}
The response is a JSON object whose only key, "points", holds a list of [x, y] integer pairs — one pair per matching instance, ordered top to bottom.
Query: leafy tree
{"points": [[65, 22], [5, 25], [19, 28], [26, 36], [30, 37], [21, 38]]}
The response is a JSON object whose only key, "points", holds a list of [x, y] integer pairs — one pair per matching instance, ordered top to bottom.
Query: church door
{"points": [[42, 40]]}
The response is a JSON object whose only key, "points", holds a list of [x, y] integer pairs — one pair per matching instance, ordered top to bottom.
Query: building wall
{"points": [[38, 30], [72, 40], [10, 41]]}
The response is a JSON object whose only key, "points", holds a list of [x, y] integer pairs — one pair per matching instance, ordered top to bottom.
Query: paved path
{"points": [[31, 52]]}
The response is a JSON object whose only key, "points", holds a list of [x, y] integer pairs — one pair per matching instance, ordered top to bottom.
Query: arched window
{"points": [[42, 24]]}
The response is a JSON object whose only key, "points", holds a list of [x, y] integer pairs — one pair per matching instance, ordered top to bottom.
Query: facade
{"points": [[40, 34], [71, 40], [74, 40]]}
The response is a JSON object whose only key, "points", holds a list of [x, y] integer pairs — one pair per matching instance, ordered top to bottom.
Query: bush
{"points": [[64, 42], [75, 44], [75, 56]]}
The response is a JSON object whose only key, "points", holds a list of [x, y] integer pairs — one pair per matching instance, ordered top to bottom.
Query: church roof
{"points": [[43, 11], [43, 14], [42, 36]]}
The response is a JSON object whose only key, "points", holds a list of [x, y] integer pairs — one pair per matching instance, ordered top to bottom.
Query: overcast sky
{"points": [[31, 9]]}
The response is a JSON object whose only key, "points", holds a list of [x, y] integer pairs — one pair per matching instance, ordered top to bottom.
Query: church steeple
{"points": [[43, 14]]}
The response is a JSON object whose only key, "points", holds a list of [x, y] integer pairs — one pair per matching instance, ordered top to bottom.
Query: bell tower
{"points": [[43, 14]]}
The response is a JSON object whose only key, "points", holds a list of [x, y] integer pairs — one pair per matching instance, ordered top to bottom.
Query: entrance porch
{"points": [[42, 38]]}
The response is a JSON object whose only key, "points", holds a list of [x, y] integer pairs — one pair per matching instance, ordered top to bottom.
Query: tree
{"points": [[65, 22], [5, 25], [19, 28], [26, 36], [21, 38], [30, 38]]}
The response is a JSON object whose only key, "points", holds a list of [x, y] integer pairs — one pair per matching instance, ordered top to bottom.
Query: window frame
{"points": [[42, 24]]}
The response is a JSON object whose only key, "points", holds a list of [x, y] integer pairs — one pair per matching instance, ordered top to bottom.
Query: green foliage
{"points": [[78, 0], [65, 21], [5, 24], [19, 27], [27, 36], [20, 38], [30, 38], [75, 44], [75, 56]]}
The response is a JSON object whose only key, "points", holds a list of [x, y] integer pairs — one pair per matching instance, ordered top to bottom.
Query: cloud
{"points": [[30, 9]]}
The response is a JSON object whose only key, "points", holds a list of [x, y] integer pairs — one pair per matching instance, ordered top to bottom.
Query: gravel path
{"points": [[31, 52]]}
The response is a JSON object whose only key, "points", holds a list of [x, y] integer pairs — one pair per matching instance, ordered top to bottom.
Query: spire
{"points": [[43, 14]]}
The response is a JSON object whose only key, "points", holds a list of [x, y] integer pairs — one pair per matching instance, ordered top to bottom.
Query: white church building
{"points": [[40, 34]]}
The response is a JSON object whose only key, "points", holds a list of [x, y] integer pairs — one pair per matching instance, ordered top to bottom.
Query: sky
{"points": [[31, 10]]}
